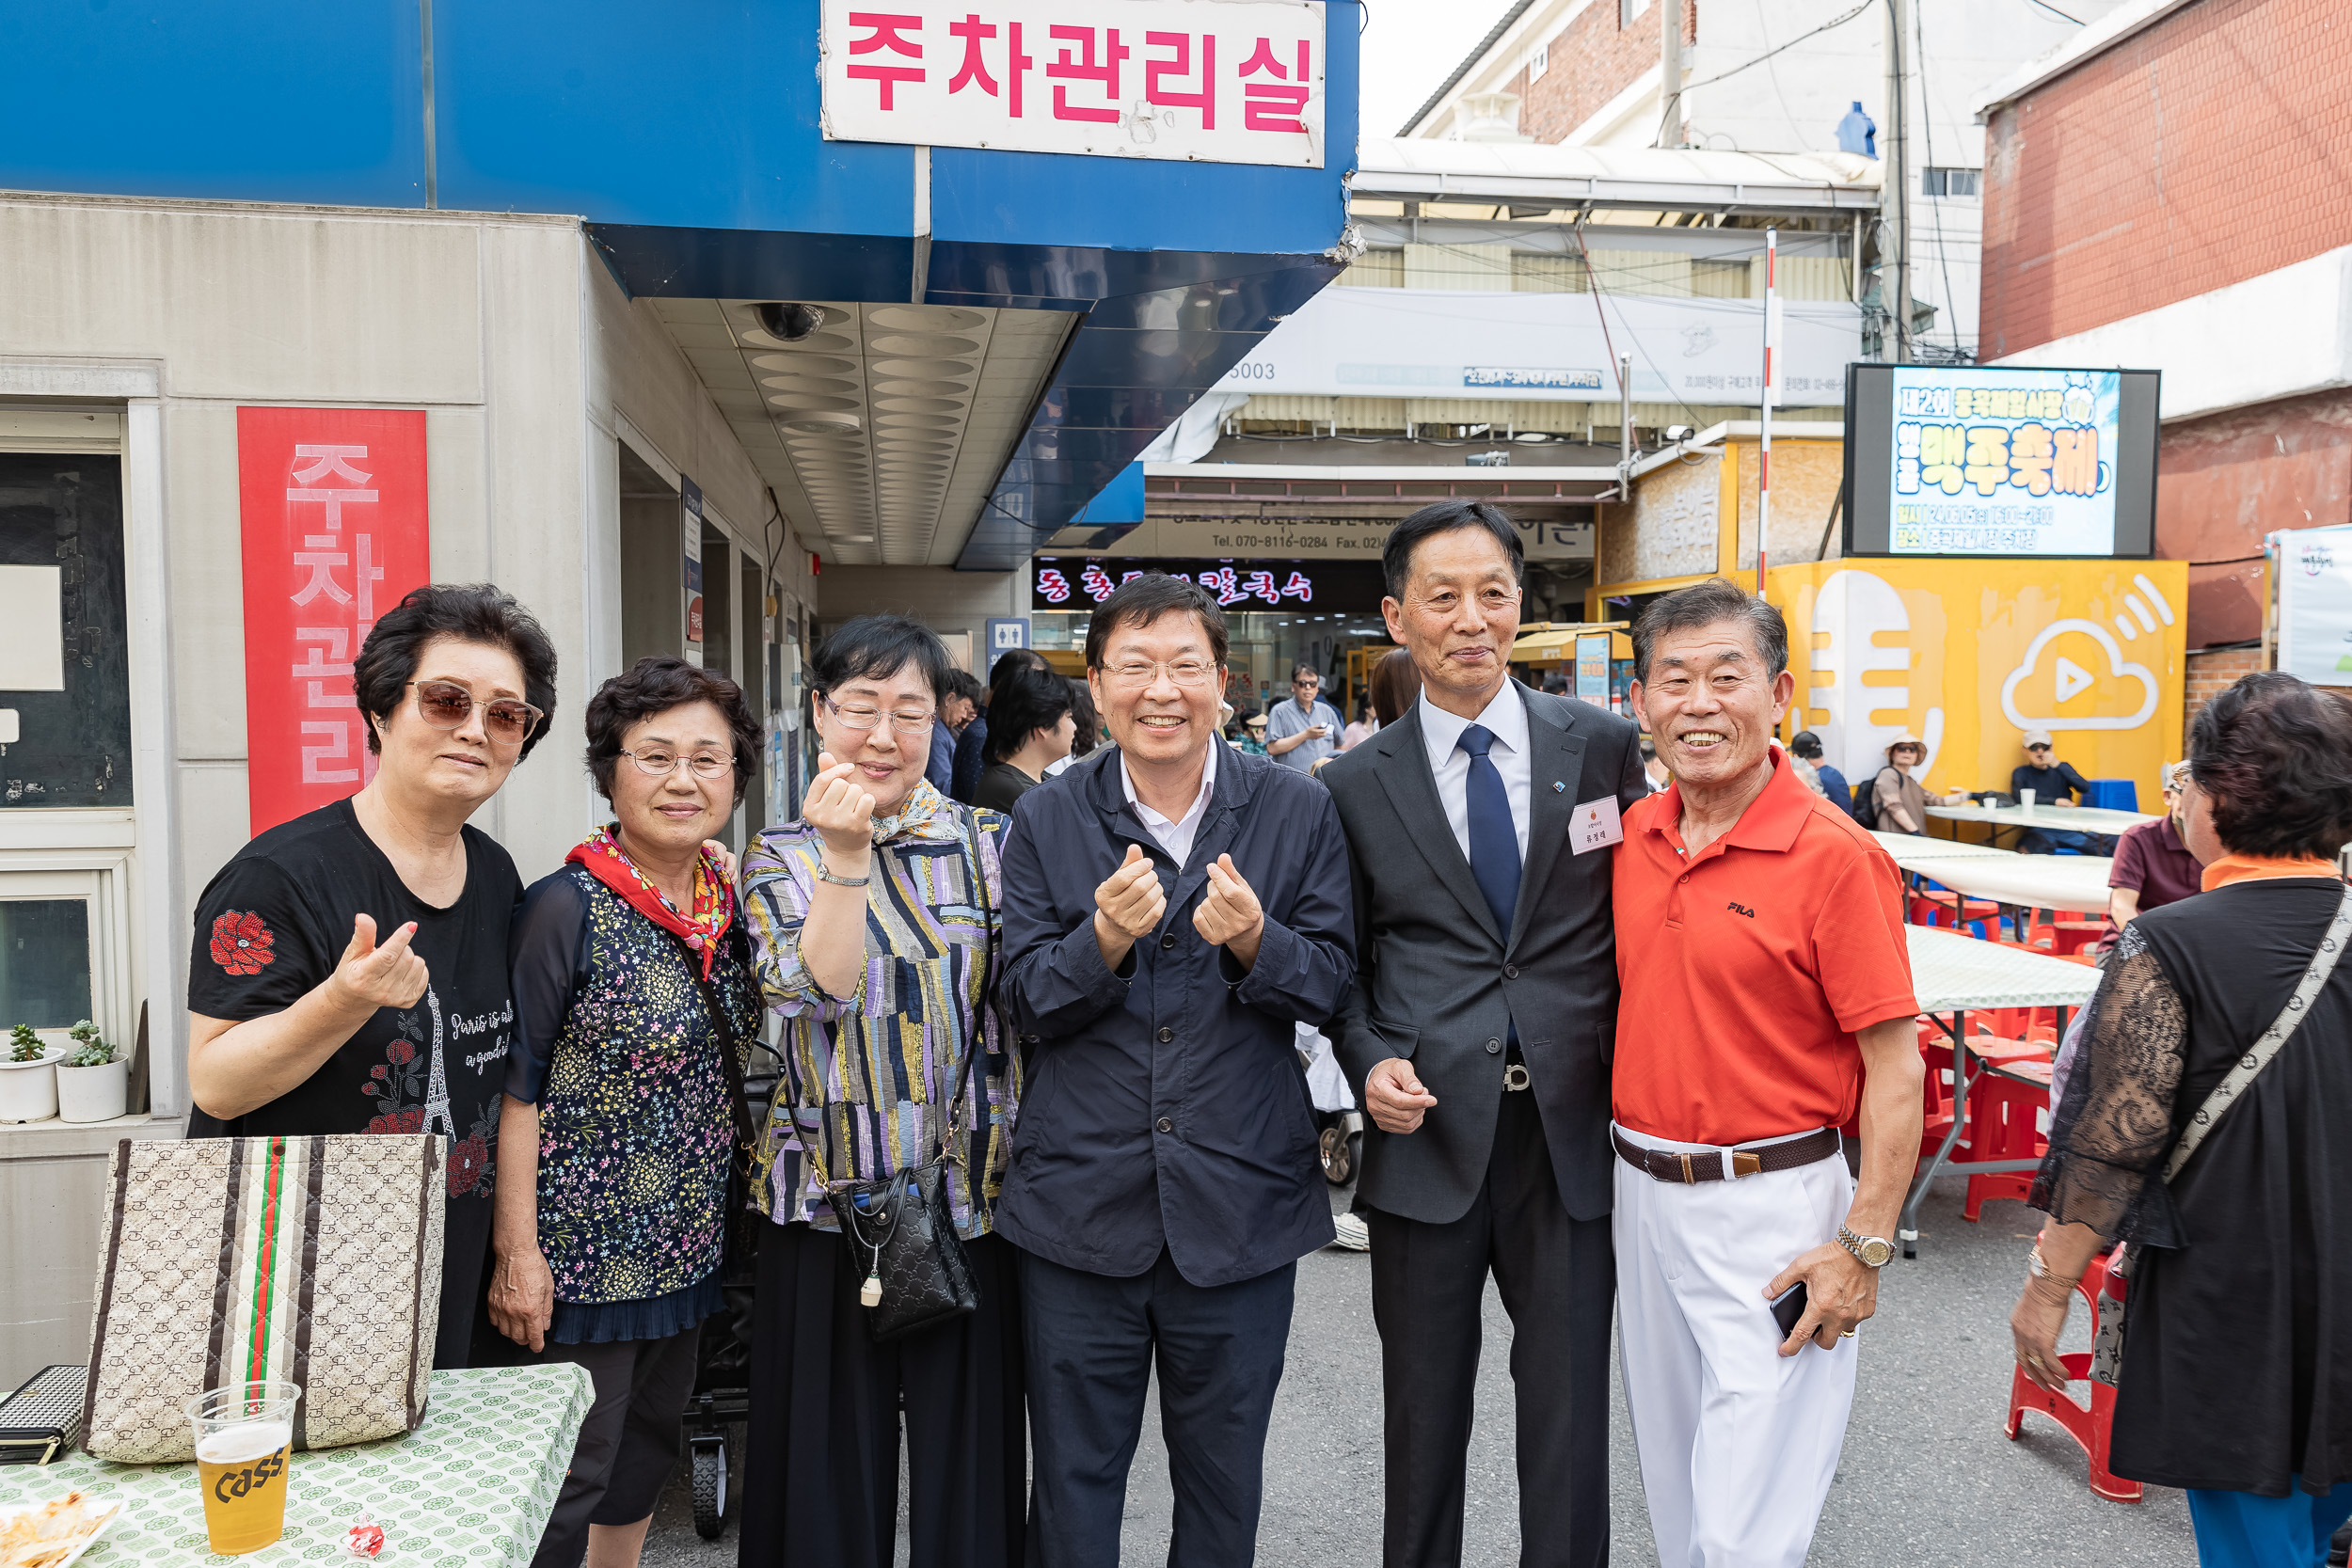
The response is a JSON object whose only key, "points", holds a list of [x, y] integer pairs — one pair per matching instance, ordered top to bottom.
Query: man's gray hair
{"points": [[1704, 604]]}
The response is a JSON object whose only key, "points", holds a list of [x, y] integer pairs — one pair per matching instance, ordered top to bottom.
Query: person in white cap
{"points": [[2053, 782]]}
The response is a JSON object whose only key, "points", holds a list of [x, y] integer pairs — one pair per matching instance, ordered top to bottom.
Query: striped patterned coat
{"points": [[864, 1075]]}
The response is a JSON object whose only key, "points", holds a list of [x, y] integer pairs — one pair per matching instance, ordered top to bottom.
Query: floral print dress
{"points": [[616, 1047]]}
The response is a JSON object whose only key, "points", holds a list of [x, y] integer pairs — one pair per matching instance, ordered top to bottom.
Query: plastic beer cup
{"points": [[2024, 799], [244, 1438]]}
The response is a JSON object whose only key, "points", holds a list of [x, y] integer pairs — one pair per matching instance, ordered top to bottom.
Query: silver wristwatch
{"points": [[825, 874], [1874, 1252]]}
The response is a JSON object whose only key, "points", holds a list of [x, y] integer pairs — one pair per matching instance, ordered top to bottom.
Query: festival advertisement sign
{"points": [[1202, 81], [2005, 462], [332, 512], [2095, 652]]}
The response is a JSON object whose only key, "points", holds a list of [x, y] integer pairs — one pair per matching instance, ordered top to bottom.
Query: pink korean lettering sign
{"points": [[1233, 81], [333, 510]]}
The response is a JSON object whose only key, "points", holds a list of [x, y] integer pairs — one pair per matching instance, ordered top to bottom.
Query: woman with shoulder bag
{"points": [[874, 921], [635, 1003], [2201, 1126]]}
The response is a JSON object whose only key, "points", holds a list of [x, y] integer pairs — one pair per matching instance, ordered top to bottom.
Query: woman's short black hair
{"points": [[1396, 557], [1139, 601], [462, 613], [876, 647], [1016, 660], [656, 684], [1027, 700], [1090, 732], [1806, 744], [2275, 756]]}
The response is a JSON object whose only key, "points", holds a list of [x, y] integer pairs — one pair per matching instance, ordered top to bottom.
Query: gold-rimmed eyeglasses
{"points": [[447, 706], [857, 717], [660, 762]]}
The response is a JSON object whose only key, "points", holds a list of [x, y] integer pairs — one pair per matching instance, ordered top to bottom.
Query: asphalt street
{"points": [[1927, 1479]]}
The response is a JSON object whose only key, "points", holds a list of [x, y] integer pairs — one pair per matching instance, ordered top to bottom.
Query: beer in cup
{"points": [[244, 1438]]}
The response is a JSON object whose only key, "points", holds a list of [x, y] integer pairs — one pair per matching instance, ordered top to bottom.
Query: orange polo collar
{"points": [[2249, 868]]}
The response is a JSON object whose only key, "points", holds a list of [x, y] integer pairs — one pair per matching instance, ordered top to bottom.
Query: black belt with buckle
{"points": [[1692, 1166]]}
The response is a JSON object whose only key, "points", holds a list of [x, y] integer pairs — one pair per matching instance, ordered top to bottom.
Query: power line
{"points": [[1838, 21]]}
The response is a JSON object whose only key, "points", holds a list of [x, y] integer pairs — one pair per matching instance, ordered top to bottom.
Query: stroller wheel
{"points": [[1338, 1149], [710, 1485]]}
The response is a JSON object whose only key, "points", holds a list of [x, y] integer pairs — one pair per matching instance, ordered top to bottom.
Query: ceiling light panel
{"points": [[883, 431]]}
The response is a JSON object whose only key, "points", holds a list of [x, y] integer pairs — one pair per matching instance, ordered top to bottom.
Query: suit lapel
{"points": [[1555, 755], [1413, 792]]}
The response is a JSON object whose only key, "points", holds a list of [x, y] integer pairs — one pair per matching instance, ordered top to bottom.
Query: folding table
{"points": [[1953, 975]]}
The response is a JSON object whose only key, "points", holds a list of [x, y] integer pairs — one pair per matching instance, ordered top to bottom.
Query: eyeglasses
{"points": [[1138, 673], [447, 706], [866, 718], [661, 762]]}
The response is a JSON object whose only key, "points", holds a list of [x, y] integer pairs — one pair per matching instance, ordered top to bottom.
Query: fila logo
{"points": [[1740, 909]]}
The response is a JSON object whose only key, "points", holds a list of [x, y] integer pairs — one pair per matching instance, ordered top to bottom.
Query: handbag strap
{"points": [[2258, 1056], [738, 1099]]}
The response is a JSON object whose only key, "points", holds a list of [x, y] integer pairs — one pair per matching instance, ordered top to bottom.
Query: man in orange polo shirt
{"points": [[1766, 999]]}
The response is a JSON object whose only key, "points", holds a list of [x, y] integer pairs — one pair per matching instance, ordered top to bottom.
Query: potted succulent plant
{"points": [[28, 1076], [93, 1081]]}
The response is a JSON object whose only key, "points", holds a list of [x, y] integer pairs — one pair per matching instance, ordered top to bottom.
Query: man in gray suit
{"points": [[1479, 1036]]}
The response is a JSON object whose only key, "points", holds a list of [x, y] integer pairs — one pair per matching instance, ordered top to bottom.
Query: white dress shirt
{"points": [[1441, 733], [1176, 836]]}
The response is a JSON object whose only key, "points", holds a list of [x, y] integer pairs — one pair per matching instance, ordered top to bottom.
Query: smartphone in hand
{"points": [[1790, 1309]]}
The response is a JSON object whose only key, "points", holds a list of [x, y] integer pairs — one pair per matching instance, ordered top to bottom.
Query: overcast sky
{"points": [[1409, 47]]}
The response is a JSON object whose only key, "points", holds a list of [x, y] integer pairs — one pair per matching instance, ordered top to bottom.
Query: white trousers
{"points": [[1738, 1445]]}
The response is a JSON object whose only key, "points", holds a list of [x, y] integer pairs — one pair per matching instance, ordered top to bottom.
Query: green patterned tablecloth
{"points": [[470, 1488]]}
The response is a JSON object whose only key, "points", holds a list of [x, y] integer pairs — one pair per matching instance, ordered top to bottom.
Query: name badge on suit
{"points": [[1595, 826]]}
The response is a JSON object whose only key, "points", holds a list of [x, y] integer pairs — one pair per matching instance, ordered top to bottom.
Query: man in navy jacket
{"points": [[1172, 909]]}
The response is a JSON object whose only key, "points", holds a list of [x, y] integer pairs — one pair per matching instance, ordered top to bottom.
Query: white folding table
{"points": [[2066, 819], [1952, 976]]}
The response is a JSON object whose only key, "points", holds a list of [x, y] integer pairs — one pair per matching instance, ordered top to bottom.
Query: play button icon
{"points": [[2073, 679]]}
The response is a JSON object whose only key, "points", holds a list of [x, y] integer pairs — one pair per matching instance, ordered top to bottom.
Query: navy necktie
{"points": [[1494, 843]]}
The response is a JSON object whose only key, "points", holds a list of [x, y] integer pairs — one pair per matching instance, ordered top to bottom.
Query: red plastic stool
{"points": [[1983, 915], [2078, 936], [2003, 1118], [2092, 1428]]}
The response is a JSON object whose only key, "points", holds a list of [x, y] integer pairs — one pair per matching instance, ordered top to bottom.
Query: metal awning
{"points": [[1641, 179], [1372, 483], [1556, 639]]}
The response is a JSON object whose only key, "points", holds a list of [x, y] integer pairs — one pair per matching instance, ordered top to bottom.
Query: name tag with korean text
{"points": [[1595, 826]]}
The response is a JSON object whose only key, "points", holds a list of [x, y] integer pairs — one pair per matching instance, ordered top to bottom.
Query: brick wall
{"points": [[1592, 59], [2207, 149], [2225, 482], [2210, 675]]}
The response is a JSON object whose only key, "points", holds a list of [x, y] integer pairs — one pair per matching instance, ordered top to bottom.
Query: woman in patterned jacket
{"points": [[874, 920], [633, 979]]}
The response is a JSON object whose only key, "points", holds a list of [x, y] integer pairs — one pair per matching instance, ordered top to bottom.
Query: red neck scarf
{"points": [[714, 911]]}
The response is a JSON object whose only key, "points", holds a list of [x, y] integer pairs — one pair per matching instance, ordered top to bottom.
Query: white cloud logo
{"points": [[2072, 680]]}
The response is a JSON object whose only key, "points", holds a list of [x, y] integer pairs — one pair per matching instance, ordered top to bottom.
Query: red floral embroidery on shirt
{"points": [[242, 944], [467, 1158]]}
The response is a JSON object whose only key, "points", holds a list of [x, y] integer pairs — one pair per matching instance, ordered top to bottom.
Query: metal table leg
{"points": [[1907, 1228]]}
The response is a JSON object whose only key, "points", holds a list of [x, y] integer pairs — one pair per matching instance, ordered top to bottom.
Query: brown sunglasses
{"points": [[447, 706]]}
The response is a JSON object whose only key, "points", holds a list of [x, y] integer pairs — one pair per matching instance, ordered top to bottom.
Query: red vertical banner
{"points": [[332, 509]]}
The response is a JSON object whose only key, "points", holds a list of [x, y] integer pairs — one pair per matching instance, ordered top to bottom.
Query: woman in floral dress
{"points": [[633, 983]]}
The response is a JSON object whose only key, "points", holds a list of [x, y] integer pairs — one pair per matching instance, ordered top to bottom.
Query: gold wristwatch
{"points": [[1874, 1252]]}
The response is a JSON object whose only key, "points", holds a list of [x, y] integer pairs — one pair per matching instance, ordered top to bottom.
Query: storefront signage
{"points": [[1206, 81], [1438, 343], [333, 510], [1544, 538], [691, 569], [1080, 583]]}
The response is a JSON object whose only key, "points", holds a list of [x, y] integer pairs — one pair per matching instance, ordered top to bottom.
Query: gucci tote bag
{"points": [[316, 1261]]}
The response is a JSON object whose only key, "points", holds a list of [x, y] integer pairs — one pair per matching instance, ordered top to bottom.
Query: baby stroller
{"points": [[1338, 1126], [723, 1374]]}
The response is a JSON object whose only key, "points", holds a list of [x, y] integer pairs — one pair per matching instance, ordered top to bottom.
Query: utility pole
{"points": [[1670, 73], [1896, 193], [1625, 427]]}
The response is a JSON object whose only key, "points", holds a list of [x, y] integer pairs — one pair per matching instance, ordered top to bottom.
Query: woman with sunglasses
{"points": [[874, 922], [349, 972], [633, 983]]}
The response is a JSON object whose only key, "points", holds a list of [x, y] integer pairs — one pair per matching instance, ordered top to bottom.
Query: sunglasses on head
{"points": [[447, 706]]}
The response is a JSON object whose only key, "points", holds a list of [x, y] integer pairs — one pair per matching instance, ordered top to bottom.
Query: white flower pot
{"points": [[28, 1090], [94, 1093]]}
